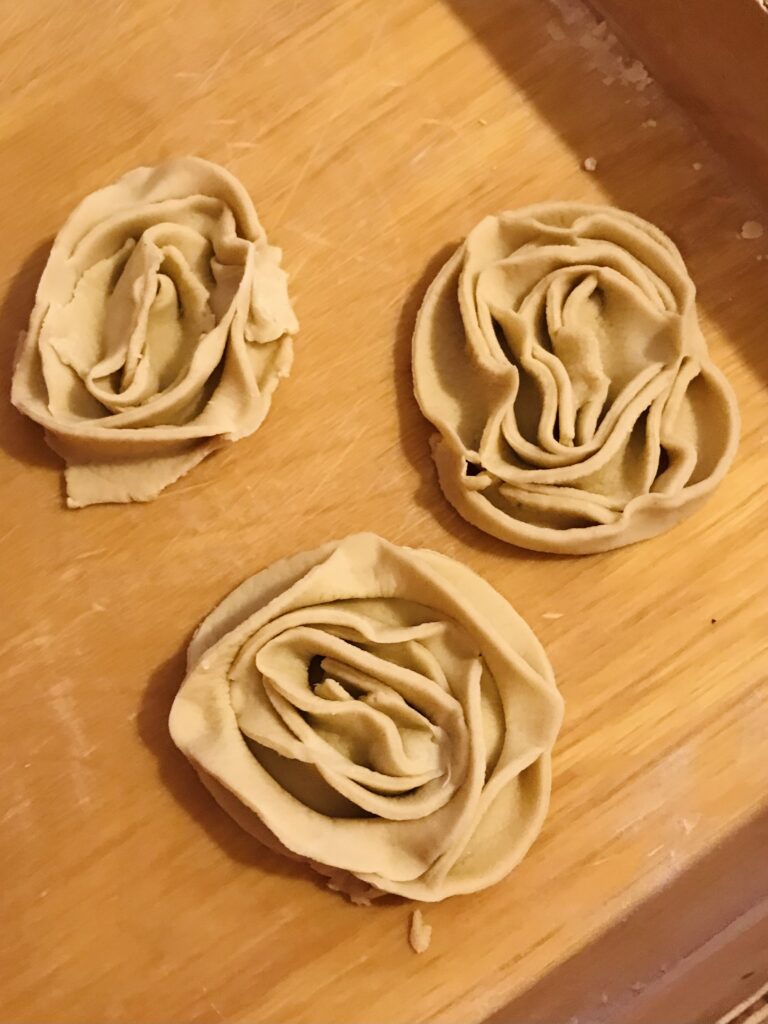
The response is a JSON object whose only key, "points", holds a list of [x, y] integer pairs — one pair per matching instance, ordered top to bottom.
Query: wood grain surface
{"points": [[717, 71], [372, 137], [689, 954]]}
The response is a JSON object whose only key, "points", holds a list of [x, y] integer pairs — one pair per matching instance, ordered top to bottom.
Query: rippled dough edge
{"points": [[161, 327], [558, 354], [454, 780]]}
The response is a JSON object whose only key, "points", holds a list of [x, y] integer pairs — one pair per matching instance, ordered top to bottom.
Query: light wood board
{"points": [[372, 136]]}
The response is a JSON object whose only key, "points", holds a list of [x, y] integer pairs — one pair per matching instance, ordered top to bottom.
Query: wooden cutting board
{"points": [[372, 137]]}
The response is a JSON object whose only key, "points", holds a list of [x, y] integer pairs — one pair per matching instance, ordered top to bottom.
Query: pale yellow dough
{"points": [[161, 328], [559, 355], [380, 712], [419, 933]]}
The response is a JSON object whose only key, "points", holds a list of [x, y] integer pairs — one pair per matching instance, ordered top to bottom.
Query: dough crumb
{"points": [[601, 47], [636, 75], [482, 121], [650, 123], [590, 164], [696, 165], [751, 229], [552, 615], [360, 900], [420, 934]]}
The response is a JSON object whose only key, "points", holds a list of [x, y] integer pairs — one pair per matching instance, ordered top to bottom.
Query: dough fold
{"points": [[161, 328], [559, 355], [380, 712]]}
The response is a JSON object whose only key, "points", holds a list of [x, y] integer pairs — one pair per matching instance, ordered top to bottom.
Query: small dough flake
{"points": [[590, 164], [752, 230], [160, 330], [420, 933]]}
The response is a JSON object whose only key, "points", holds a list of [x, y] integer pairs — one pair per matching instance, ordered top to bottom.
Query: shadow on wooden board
{"points": [[649, 171], [19, 437], [685, 956]]}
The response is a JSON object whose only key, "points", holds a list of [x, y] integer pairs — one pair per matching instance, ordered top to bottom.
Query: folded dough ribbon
{"points": [[161, 328], [559, 355], [380, 712]]}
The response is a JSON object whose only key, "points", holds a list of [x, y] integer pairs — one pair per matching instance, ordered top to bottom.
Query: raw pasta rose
{"points": [[160, 330], [559, 355], [378, 711]]}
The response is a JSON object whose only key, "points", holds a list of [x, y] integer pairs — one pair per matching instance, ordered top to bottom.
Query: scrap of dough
{"points": [[752, 229], [161, 328], [559, 355], [379, 712], [420, 933]]}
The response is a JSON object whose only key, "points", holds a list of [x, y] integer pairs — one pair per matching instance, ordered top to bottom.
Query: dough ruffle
{"points": [[161, 327], [559, 355], [380, 712]]}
